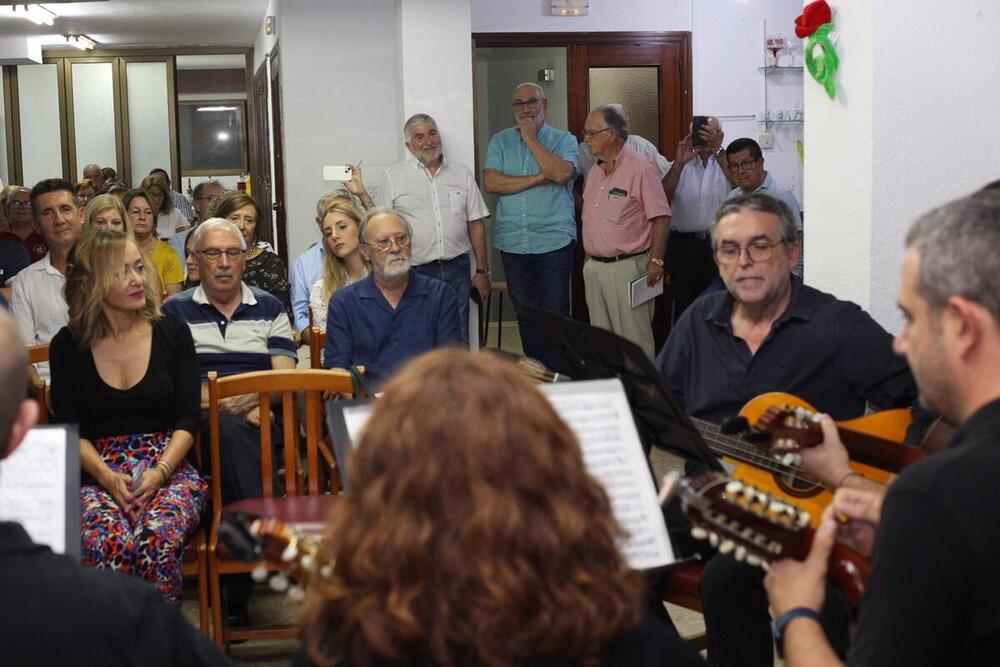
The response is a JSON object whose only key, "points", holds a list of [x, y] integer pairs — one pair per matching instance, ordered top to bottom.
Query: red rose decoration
{"points": [[813, 16]]}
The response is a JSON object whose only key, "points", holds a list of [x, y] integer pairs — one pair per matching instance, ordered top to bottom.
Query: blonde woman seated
{"points": [[138, 205], [107, 212], [168, 220], [342, 260], [127, 374], [473, 535]]}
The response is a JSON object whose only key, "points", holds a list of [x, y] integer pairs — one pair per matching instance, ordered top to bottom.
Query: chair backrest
{"points": [[317, 341], [286, 383], [39, 387]]}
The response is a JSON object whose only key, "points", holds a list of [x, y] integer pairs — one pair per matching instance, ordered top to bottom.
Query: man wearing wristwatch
{"points": [[697, 184], [442, 203], [626, 220]]}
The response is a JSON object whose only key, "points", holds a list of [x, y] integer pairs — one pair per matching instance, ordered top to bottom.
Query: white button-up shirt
{"points": [[700, 192], [438, 207], [38, 305]]}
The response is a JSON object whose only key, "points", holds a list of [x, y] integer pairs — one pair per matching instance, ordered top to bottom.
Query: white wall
{"points": [[264, 42], [727, 43], [911, 128]]}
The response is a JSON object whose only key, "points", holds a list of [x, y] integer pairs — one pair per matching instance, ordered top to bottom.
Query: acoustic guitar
{"points": [[759, 528]]}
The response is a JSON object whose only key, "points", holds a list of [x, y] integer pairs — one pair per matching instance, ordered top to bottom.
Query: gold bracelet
{"points": [[658, 262], [166, 470]]}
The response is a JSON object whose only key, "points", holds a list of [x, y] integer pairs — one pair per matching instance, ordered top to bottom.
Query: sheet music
{"points": [[639, 292], [599, 414], [355, 418], [33, 487]]}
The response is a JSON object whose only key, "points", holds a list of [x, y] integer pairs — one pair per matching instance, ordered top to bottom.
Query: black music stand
{"points": [[589, 353]]}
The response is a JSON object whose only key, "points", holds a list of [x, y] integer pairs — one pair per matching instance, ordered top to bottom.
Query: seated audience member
{"points": [[98, 177], [85, 191], [5, 193], [203, 195], [181, 204], [140, 208], [107, 212], [169, 220], [20, 224], [13, 258], [343, 262], [191, 264], [308, 267], [263, 269], [36, 295], [393, 314], [236, 329], [767, 331], [128, 376], [473, 535], [932, 537], [54, 611]]}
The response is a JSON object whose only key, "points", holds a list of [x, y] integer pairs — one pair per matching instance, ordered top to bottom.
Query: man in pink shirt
{"points": [[626, 221]]}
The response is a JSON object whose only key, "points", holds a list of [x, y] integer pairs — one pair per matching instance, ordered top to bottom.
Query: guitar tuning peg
{"points": [[789, 459], [734, 487], [749, 492], [776, 507], [803, 519], [699, 533], [713, 539], [726, 546], [290, 552], [740, 554], [753, 560], [308, 563], [764, 565], [259, 573], [279, 582], [297, 593]]}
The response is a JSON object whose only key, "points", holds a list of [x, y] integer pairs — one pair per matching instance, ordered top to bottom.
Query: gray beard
{"points": [[396, 270]]}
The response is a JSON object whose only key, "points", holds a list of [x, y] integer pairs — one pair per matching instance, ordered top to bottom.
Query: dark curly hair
{"points": [[473, 535]]}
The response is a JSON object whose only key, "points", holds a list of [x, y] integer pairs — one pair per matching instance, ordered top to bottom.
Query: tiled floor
{"points": [[270, 607]]}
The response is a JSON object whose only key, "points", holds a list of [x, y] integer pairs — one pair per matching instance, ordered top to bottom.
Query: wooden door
{"points": [[278, 150], [260, 153]]}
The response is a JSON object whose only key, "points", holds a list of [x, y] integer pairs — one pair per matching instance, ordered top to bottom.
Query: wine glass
{"points": [[774, 44]]}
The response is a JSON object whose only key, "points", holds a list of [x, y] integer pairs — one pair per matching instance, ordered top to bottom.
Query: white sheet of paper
{"points": [[639, 292], [599, 414], [355, 418], [33, 487]]}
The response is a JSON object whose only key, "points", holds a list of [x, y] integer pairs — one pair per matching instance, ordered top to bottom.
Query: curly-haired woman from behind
{"points": [[128, 375], [473, 535]]}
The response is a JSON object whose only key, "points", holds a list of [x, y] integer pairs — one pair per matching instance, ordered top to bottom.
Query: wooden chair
{"points": [[39, 387], [287, 508], [195, 557], [681, 589]]}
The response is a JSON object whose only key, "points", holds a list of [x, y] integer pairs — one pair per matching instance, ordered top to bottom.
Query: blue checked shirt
{"points": [[539, 219]]}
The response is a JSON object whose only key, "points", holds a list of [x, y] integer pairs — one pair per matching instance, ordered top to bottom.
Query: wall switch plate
{"points": [[766, 139]]}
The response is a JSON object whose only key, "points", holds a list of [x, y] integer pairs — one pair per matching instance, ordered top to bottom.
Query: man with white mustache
{"points": [[442, 203], [394, 313]]}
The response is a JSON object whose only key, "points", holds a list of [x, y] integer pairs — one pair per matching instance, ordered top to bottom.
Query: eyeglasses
{"points": [[520, 104], [587, 134], [744, 165], [13, 203], [384, 245], [759, 251], [214, 254]]}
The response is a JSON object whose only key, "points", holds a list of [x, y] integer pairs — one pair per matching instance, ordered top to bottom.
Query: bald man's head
{"points": [[14, 414]]}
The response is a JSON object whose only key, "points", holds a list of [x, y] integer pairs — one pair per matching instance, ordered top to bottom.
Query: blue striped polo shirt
{"points": [[539, 219], [258, 330]]}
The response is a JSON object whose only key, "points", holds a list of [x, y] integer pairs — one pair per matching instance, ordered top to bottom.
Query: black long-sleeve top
{"points": [[167, 398]]}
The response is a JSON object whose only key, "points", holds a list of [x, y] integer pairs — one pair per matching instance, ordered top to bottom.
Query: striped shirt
{"points": [[540, 219], [257, 331]]}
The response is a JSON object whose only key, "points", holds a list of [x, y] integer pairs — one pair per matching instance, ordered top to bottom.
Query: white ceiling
{"points": [[121, 23]]}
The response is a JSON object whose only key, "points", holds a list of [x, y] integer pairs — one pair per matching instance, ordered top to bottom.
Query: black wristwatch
{"points": [[486, 272], [779, 624]]}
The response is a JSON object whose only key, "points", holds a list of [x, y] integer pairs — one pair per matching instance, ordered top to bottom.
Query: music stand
{"points": [[590, 353]]}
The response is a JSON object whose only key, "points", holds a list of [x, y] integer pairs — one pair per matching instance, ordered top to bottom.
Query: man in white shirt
{"points": [[697, 184], [443, 205], [36, 297]]}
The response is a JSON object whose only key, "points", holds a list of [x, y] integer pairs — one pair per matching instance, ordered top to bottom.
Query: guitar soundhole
{"points": [[798, 487]]}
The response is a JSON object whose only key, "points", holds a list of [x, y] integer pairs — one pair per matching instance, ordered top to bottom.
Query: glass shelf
{"points": [[775, 68], [780, 122]]}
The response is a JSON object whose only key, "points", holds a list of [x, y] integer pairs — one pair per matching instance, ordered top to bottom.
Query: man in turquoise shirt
{"points": [[531, 166]]}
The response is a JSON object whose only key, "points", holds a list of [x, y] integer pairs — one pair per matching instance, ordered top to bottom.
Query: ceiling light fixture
{"points": [[569, 8], [35, 13], [81, 42], [216, 109]]}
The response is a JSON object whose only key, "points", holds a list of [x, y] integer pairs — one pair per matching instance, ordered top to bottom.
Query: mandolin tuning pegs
{"points": [[734, 486], [803, 519], [699, 533], [713, 539], [726, 546], [290, 552], [740, 554], [753, 560], [308, 562], [326, 571], [259, 573], [279, 582], [297, 593]]}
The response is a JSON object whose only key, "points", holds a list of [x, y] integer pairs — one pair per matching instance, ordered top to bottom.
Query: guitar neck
{"points": [[878, 452]]}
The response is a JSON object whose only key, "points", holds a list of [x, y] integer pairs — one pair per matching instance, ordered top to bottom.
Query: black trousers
{"points": [[691, 266]]}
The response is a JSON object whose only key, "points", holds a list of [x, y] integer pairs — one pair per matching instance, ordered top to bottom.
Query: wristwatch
{"points": [[658, 262], [486, 272], [779, 624]]}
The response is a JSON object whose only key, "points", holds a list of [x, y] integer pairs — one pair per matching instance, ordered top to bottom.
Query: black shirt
{"points": [[13, 258], [828, 352], [167, 398], [933, 597], [54, 611]]}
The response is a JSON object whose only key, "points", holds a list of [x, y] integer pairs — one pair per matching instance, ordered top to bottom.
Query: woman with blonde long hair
{"points": [[107, 212], [343, 263], [128, 375], [473, 535]]}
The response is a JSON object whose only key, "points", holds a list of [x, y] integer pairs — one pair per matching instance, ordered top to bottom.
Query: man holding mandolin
{"points": [[769, 332], [931, 598]]}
